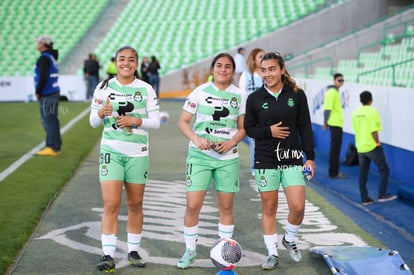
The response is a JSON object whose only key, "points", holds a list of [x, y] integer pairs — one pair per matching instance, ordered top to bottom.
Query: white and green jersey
{"points": [[136, 99], [216, 113]]}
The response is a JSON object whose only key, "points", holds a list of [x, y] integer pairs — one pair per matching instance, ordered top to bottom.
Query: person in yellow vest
{"points": [[111, 68], [334, 118], [366, 124]]}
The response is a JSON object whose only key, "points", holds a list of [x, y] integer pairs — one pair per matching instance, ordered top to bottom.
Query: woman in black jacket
{"points": [[277, 117]]}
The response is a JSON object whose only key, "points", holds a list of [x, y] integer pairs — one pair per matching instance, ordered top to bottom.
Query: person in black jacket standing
{"points": [[91, 68], [144, 69], [153, 75], [48, 94], [277, 117]]}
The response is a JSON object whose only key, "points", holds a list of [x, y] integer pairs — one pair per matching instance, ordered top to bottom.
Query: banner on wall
{"points": [[21, 88], [395, 106]]}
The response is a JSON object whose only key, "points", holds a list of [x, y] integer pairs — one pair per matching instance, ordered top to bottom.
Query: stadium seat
{"points": [[64, 21], [198, 29], [409, 31], [178, 32], [390, 39], [394, 50]]}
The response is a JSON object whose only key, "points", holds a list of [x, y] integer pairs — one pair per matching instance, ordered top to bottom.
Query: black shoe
{"points": [[339, 176], [387, 197], [368, 201], [135, 260], [106, 264]]}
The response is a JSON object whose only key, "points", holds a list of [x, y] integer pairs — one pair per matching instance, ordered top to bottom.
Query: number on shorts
{"points": [[105, 158], [189, 168]]}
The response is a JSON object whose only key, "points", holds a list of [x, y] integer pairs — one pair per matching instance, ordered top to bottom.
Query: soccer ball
{"points": [[164, 116], [225, 253]]}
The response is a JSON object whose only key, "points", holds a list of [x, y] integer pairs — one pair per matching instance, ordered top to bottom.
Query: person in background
{"points": [[240, 65], [111, 68], [144, 69], [91, 72], [46, 75], [153, 75], [251, 80], [126, 107], [218, 108], [277, 117], [334, 118], [366, 124]]}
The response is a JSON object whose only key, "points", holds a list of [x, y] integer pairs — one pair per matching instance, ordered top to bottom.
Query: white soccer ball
{"points": [[164, 116], [225, 253]]}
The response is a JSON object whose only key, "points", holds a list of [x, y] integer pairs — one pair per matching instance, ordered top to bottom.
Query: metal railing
{"points": [[353, 31], [389, 38], [392, 66]]}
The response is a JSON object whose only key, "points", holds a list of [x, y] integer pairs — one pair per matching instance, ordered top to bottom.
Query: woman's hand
{"points": [[106, 109], [127, 121], [279, 131], [202, 143], [223, 146], [311, 165]]}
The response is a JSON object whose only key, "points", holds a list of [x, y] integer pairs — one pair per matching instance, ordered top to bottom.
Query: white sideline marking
{"points": [[15, 165], [164, 210]]}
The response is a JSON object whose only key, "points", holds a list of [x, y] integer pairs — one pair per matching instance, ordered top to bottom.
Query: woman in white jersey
{"points": [[251, 80], [127, 107], [218, 107]]}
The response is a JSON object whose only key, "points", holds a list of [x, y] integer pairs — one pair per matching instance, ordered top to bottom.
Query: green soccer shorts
{"points": [[113, 166], [202, 169], [270, 179]]}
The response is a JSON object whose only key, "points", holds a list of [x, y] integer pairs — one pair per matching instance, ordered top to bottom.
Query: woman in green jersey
{"points": [[126, 107], [218, 108]]}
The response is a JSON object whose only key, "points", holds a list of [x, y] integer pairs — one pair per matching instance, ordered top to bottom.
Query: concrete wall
{"points": [[323, 26]]}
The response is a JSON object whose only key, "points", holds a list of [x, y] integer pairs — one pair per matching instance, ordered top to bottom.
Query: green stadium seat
{"points": [[54, 17], [195, 28], [409, 30], [390, 39], [392, 52]]}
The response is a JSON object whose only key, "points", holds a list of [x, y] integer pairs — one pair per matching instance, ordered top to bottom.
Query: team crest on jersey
{"points": [[138, 97], [98, 100], [291, 102], [234, 103], [191, 104], [104, 170], [188, 181], [263, 181]]}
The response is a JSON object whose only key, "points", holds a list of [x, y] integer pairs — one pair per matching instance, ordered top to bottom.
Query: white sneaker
{"points": [[387, 197], [293, 250], [187, 259], [271, 262]]}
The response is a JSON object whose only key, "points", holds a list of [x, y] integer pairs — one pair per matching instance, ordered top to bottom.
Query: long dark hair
{"points": [[286, 78], [105, 82]]}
